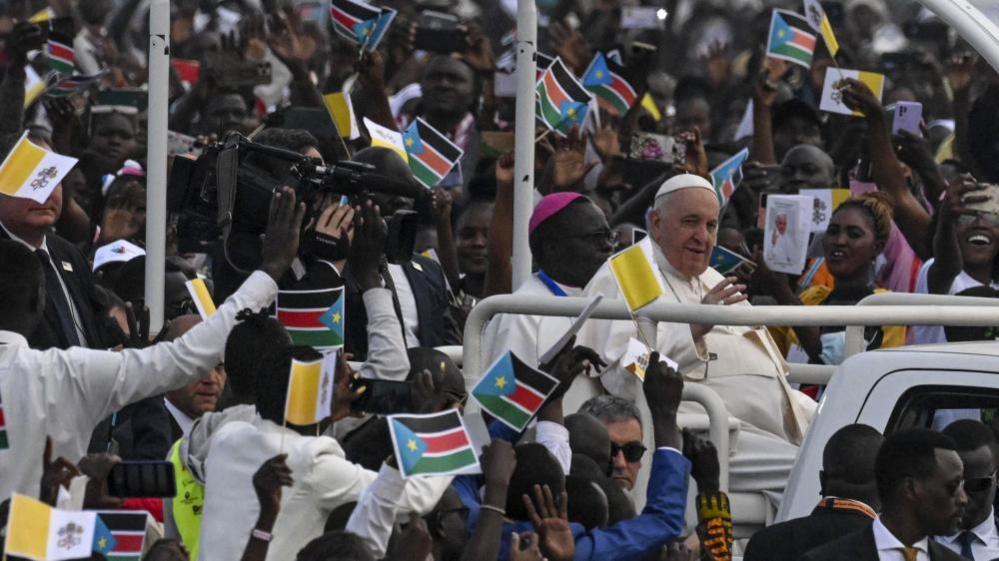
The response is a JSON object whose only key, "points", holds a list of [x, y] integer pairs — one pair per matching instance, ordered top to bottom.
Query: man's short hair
{"points": [[295, 140], [20, 276], [611, 408], [969, 435], [851, 453], [907, 453], [535, 466], [335, 546]]}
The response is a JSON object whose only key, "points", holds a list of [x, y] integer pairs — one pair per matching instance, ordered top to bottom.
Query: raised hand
{"points": [[24, 38], [288, 40], [571, 46], [480, 52], [718, 64], [960, 71], [371, 73], [859, 97], [607, 142], [696, 159], [568, 164], [504, 170], [442, 203], [283, 231], [368, 246], [570, 362], [663, 388], [344, 391], [704, 461], [97, 467], [55, 474], [268, 480], [551, 521]]}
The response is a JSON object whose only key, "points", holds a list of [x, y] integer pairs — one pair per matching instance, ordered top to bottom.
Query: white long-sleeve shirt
{"points": [[64, 394]]}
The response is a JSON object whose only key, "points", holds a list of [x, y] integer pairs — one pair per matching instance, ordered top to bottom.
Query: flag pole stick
{"points": [[542, 135]]}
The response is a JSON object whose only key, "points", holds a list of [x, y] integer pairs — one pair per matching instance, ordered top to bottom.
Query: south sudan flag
{"points": [[352, 17], [791, 38], [60, 54], [605, 79], [73, 84], [562, 100], [431, 155], [725, 261], [313, 317], [512, 391], [436, 444], [129, 531]]}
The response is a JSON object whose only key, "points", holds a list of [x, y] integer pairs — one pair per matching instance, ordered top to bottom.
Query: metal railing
{"points": [[980, 312]]}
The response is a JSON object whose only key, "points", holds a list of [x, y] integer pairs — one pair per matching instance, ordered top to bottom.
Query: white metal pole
{"points": [[156, 159], [523, 185]]}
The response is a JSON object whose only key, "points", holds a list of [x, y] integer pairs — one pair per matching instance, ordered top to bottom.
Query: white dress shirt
{"points": [[77, 323], [64, 394], [181, 418], [890, 548], [985, 548]]}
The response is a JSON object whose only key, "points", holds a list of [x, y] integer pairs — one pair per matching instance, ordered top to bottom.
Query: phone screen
{"points": [[383, 397], [142, 479]]}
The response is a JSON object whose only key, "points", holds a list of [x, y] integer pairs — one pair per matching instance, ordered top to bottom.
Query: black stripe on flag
{"points": [[356, 10], [797, 21], [568, 82], [430, 136], [295, 300], [531, 377], [430, 425], [118, 521]]}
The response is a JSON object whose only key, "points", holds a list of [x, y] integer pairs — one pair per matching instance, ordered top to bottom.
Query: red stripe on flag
{"points": [[343, 18], [803, 40], [59, 50], [622, 88], [555, 92], [433, 160], [300, 319], [526, 398], [2, 422], [445, 442], [128, 543]]}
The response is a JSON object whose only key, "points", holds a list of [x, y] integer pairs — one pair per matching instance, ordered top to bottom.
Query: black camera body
{"points": [[226, 193]]}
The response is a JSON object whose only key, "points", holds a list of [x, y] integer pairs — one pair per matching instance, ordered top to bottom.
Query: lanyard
{"points": [[551, 284]]}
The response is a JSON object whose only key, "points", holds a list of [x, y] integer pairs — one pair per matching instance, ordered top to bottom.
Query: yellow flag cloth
{"points": [[635, 276]]}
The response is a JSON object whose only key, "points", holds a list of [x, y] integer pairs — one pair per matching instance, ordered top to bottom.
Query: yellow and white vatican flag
{"points": [[32, 172]]}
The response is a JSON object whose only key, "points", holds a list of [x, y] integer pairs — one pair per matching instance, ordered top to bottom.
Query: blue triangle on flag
{"points": [[781, 33], [598, 73], [333, 317], [500, 380], [409, 447]]}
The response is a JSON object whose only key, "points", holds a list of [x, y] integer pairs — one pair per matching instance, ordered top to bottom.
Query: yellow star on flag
{"points": [[781, 33], [600, 73], [571, 112], [409, 142], [336, 318], [501, 382], [411, 445], [102, 543]]}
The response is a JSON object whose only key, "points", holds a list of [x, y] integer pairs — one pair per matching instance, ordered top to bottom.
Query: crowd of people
{"points": [[602, 470]]}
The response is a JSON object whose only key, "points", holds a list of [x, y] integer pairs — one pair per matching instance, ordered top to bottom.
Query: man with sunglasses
{"points": [[624, 425], [978, 538]]}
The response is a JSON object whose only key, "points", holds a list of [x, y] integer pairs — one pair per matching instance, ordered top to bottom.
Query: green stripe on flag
{"points": [[796, 53], [608, 94], [549, 113], [423, 174], [315, 338], [504, 410], [3, 440], [443, 464], [135, 557]]}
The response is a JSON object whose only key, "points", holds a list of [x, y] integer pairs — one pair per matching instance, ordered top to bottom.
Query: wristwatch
{"points": [[261, 535]]}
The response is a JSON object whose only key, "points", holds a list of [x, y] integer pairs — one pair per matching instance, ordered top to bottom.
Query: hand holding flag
{"points": [[791, 38], [512, 391], [435, 444]]}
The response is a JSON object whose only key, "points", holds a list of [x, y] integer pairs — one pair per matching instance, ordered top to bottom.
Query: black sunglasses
{"points": [[633, 451], [978, 484]]}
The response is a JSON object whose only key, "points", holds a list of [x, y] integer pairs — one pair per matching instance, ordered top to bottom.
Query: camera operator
{"points": [[418, 284]]}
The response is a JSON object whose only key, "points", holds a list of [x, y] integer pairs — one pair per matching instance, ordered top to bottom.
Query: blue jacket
{"points": [[638, 538]]}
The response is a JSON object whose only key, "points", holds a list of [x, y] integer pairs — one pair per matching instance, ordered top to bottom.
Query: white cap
{"points": [[684, 181], [116, 251]]}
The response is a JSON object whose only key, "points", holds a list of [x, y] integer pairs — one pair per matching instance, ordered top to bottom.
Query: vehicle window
{"points": [[937, 406]]}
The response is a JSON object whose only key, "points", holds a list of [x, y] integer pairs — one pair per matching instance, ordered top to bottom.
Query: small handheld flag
{"points": [[817, 18], [360, 22], [791, 38], [60, 54], [605, 78], [73, 84], [832, 96], [562, 101], [341, 110], [386, 138], [431, 155], [32, 172], [727, 176], [118, 251], [725, 260], [635, 277], [202, 298], [313, 317], [310, 390], [512, 391], [436, 444], [128, 530], [42, 533]]}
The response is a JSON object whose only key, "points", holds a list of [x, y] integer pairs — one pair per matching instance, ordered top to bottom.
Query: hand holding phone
{"points": [[382, 397], [142, 479]]}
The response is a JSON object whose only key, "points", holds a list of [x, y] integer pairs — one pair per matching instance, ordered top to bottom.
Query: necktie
{"points": [[57, 299], [967, 538], [909, 553]]}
